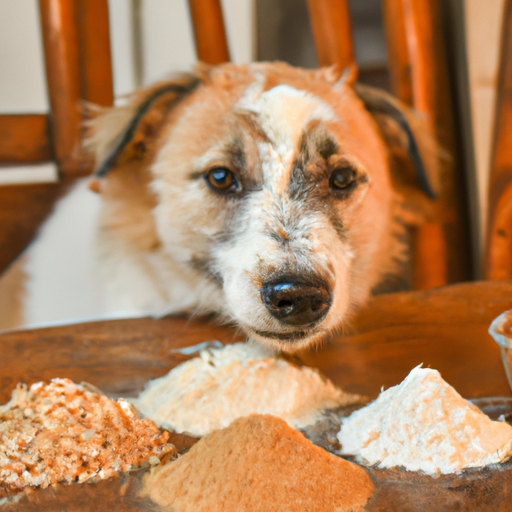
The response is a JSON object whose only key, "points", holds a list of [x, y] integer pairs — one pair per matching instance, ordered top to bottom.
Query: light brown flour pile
{"points": [[210, 391], [423, 424], [62, 432], [258, 463]]}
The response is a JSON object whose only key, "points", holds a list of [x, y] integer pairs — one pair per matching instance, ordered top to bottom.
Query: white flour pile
{"points": [[210, 391], [423, 424]]}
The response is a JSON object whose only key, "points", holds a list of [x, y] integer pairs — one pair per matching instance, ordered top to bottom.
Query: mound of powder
{"points": [[210, 391], [423, 424], [63, 432], [258, 463]]}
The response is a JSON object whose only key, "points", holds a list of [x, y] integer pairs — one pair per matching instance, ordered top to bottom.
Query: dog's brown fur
{"points": [[154, 215]]}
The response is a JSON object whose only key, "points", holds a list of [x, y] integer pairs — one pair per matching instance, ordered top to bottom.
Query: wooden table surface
{"points": [[445, 328]]}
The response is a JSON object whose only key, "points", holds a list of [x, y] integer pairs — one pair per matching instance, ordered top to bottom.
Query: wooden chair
{"points": [[79, 67], [419, 77], [498, 256]]}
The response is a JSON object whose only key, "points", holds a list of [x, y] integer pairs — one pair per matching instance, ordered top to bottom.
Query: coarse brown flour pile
{"points": [[63, 432]]}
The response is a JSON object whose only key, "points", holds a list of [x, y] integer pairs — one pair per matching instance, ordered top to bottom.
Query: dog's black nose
{"points": [[296, 300]]}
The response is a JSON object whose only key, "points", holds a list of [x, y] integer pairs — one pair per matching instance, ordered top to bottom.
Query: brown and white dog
{"points": [[274, 196]]}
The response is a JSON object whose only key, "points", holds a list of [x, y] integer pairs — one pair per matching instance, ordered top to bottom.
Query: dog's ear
{"points": [[336, 76], [126, 132], [407, 135]]}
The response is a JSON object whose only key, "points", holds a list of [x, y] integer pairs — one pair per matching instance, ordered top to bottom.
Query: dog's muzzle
{"points": [[297, 300]]}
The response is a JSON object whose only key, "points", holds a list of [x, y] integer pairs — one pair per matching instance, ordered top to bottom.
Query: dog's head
{"points": [[270, 187]]}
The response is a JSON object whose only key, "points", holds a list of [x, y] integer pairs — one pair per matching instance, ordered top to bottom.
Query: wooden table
{"points": [[445, 328]]}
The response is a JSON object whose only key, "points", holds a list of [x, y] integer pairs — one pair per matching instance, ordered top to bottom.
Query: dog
{"points": [[272, 196]]}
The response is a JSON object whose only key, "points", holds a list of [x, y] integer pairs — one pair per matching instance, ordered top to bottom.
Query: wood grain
{"points": [[330, 20], [209, 31], [419, 77], [25, 138], [498, 257], [427, 272], [444, 328], [117, 356]]}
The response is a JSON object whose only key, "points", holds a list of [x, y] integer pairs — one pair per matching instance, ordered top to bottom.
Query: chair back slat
{"points": [[330, 21], [209, 31], [76, 43], [415, 48], [62, 57], [399, 64], [79, 67], [96, 81], [25, 138], [498, 251]]}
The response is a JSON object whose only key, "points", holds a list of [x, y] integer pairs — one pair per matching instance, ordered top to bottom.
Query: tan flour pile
{"points": [[258, 463]]}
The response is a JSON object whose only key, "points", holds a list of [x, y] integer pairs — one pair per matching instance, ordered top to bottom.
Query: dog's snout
{"points": [[296, 300]]}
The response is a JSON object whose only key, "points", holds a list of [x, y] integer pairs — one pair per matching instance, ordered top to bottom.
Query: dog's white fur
{"points": [[282, 113], [66, 242], [131, 250]]}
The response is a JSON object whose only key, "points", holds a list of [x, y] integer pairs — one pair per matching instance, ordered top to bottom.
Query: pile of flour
{"points": [[208, 392], [423, 424]]}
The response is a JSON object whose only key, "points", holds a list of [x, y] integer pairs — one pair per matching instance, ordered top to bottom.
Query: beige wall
{"points": [[483, 20]]}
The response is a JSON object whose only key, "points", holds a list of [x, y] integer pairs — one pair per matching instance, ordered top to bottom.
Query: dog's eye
{"points": [[342, 178], [222, 180]]}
